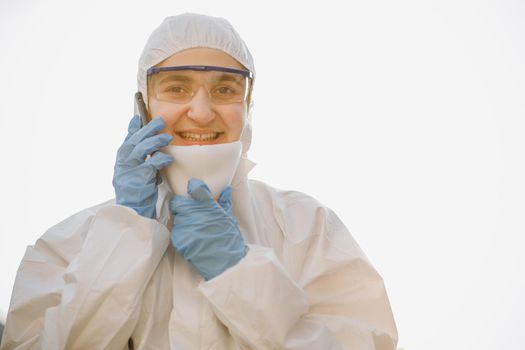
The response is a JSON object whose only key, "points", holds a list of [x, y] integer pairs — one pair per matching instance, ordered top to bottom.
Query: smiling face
{"points": [[200, 121]]}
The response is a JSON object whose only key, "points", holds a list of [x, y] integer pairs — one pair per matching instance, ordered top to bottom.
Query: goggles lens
{"points": [[181, 85]]}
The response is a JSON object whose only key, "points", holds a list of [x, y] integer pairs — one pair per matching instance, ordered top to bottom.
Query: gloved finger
{"points": [[133, 127], [150, 129], [150, 145], [159, 160], [198, 190], [225, 199], [180, 205]]}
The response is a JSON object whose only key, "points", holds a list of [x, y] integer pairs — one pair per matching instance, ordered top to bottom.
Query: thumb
{"points": [[198, 190]]}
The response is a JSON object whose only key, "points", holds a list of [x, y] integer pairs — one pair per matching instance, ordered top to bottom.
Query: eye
{"points": [[176, 89], [224, 90], [173, 92]]}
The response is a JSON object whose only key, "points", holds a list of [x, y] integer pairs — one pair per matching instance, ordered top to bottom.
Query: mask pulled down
{"points": [[213, 164]]}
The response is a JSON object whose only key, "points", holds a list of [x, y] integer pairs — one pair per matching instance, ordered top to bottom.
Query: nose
{"points": [[201, 108]]}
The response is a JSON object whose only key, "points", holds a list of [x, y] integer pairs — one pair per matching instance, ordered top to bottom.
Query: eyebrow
{"points": [[175, 77], [228, 77], [186, 79]]}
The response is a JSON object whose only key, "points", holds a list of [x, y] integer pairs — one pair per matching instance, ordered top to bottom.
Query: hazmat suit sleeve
{"points": [[81, 284], [316, 291]]}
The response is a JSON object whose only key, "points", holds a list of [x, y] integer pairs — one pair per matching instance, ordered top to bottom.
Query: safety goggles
{"points": [[180, 84]]}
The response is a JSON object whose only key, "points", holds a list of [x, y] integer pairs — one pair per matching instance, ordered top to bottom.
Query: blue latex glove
{"points": [[135, 178], [205, 232]]}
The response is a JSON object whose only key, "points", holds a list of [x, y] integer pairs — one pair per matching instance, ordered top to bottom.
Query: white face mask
{"points": [[213, 164]]}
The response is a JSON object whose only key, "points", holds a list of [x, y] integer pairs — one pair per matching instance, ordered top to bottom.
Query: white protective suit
{"points": [[107, 274]]}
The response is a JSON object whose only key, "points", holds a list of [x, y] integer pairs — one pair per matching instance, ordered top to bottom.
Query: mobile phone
{"points": [[140, 109]]}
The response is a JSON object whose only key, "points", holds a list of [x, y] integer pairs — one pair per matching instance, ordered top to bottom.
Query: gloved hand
{"points": [[135, 178], [205, 232]]}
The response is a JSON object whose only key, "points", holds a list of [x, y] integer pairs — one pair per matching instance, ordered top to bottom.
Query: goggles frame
{"points": [[245, 73]]}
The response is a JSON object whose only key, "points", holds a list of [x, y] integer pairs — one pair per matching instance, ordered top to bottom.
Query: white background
{"points": [[405, 117]]}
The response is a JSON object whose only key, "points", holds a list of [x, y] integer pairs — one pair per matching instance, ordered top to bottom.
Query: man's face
{"points": [[200, 121]]}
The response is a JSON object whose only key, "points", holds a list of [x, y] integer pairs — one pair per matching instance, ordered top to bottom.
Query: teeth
{"points": [[199, 137]]}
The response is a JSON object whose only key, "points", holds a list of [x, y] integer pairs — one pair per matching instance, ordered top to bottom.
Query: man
{"points": [[255, 268]]}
